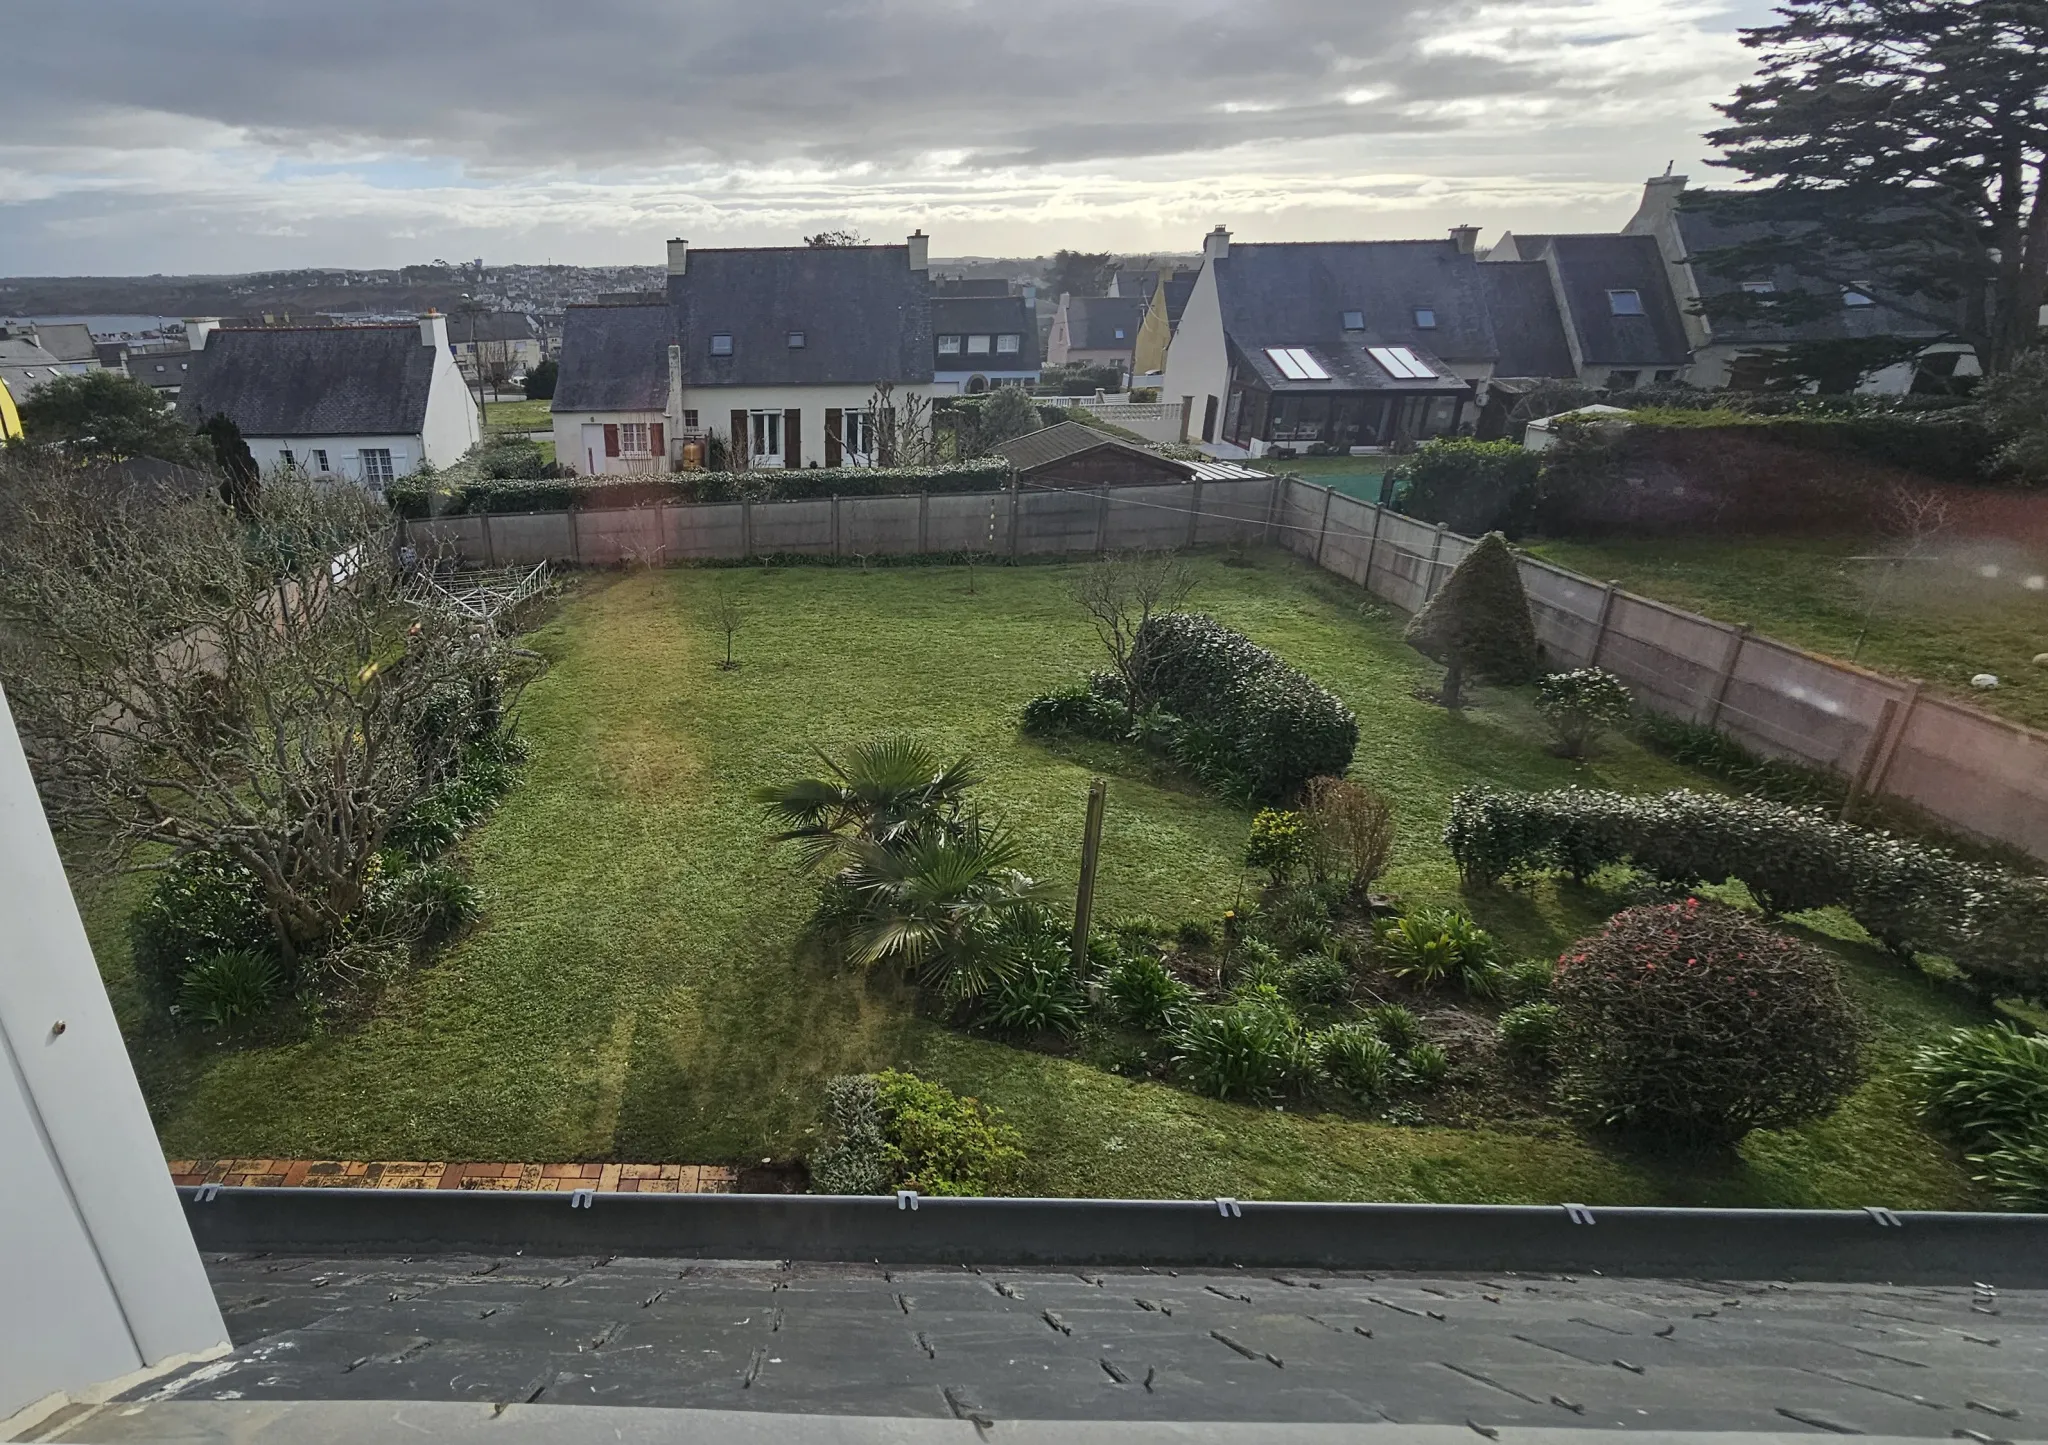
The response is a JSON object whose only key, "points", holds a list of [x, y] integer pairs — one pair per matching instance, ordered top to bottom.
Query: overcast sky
{"points": [[228, 135]]}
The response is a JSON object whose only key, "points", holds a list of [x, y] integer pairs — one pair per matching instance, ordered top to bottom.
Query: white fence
{"points": [[1973, 771]]}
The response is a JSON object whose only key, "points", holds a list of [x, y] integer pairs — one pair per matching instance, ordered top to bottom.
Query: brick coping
{"points": [[409, 1174]]}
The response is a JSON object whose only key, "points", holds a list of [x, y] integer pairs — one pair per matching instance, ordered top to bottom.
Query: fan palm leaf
{"points": [[889, 790]]}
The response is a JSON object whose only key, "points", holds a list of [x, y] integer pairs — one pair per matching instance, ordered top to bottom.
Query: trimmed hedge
{"points": [[1471, 486], [448, 495], [1271, 727], [1993, 925]]}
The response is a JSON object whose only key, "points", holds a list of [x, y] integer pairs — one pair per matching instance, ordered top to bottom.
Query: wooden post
{"points": [[1195, 512], [1013, 516], [1102, 519], [924, 521], [746, 527], [1323, 528], [1372, 547], [490, 549], [1436, 550], [1600, 627], [1737, 636], [1904, 716], [1879, 736], [1091, 854]]}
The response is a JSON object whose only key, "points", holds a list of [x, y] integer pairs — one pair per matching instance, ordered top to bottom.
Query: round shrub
{"points": [[1580, 704], [1278, 842], [1438, 948], [1318, 978], [228, 989], [1143, 995], [1694, 1023], [1396, 1026], [1529, 1031], [1249, 1049], [1355, 1059], [1427, 1064], [942, 1143]]}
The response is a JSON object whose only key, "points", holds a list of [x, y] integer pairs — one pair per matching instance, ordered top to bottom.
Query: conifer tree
{"points": [[1478, 622]]}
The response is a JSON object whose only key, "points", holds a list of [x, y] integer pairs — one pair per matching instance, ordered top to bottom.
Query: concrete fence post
{"points": [[1273, 504], [1195, 512], [1013, 516], [1102, 518], [924, 521], [835, 524], [1323, 527], [746, 528], [661, 532], [575, 536], [1372, 546], [490, 548], [1436, 550], [1600, 625], [1737, 636], [1900, 720], [1879, 736]]}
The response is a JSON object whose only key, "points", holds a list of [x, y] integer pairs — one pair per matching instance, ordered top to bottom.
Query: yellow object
{"points": [[1155, 333], [10, 419]]}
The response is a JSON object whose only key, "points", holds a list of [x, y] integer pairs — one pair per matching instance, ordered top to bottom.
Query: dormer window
{"points": [[1760, 288], [1856, 298], [1625, 303], [1425, 318], [1354, 321], [796, 341], [721, 343], [1010, 344], [979, 345], [949, 346]]}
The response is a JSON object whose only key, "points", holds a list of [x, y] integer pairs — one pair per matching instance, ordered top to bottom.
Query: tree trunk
{"points": [[1453, 695]]}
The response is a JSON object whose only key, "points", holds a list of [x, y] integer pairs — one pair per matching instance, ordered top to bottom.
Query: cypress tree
{"points": [[1478, 622]]}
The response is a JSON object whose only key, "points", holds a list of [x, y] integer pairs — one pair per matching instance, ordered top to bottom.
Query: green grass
{"points": [[518, 416], [1353, 476], [1941, 623], [639, 989]]}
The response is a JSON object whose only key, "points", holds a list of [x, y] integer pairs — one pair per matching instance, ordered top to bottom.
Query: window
{"points": [[1760, 288], [1852, 297], [1625, 303], [1425, 318], [1354, 321], [1119, 333], [796, 341], [721, 343], [979, 345], [1010, 345], [949, 346], [1401, 363], [1296, 364], [159, 366], [1665, 378], [1623, 380], [689, 420], [767, 428], [857, 437], [633, 440], [284, 454], [319, 459], [376, 465]]}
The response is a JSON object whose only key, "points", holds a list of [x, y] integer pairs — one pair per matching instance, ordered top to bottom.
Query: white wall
{"points": [[1198, 362], [715, 404], [451, 426], [344, 454], [587, 456], [98, 1274]]}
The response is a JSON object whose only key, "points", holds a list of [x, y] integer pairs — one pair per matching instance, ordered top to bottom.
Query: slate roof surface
{"points": [[1588, 267], [1139, 283], [970, 286], [1178, 289], [1296, 294], [865, 316], [963, 316], [1093, 321], [498, 326], [1526, 326], [67, 340], [614, 358], [176, 366], [312, 380], [1066, 439], [1000, 1346]]}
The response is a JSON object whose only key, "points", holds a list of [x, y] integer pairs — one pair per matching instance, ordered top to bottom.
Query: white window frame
{"points": [[1760, 288], [1632, 307], [1009, 343], [980, 345], [949, 346], [689, 419], [857, 437], [764, 438], [634, 440], [284, 455], [320, 460], [377, 466]]}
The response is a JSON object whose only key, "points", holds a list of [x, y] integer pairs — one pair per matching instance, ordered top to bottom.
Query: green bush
{"points": [[1470, 486], [457, 493], [1478, 622], [1581, 704], [1083, 710], [1270, 727], [1702, 748], [1278, 841], [440, 898], [203, 904], [1991, 924], [1194, 935], [1440, 947], [1255, 963], [1318, 979], [1527, 981], [228, 989], [1038, 994], [1143, 995], [1692, 1023], [1396, 1026], [1530, 1030], [1250, 1049], [1355, 1059], [1427, 1065], [1988, 1089], [894, 1130], [856, 1158]]}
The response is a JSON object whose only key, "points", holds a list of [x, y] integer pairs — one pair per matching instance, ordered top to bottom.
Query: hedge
{"points": [[1471, 486], [441, 496], [1275, 726], [1993, 925]]}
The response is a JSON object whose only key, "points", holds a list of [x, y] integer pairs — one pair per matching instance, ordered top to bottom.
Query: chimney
{"points": [[1661, 193], [1467, 238], [1216, 245], [920, 251], [678, 256], [198, 328], [434, 330]]}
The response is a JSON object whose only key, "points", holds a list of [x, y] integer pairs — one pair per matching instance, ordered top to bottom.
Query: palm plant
{"points": [[889, 791], [934, 904]]}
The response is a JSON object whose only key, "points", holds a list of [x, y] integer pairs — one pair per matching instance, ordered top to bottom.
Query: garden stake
{"points": [[1091, 853]]}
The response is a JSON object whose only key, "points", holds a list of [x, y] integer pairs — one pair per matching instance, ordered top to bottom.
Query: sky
{"points": [[143, 136]]}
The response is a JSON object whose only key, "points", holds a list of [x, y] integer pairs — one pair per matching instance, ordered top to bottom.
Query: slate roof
{"points": [[1587, 268], [1139, 283], [970, 286], [1178, 288], [1296, 293], [865, 315], [985, 316], [1093, 321], [498, 326], [1526, 326], [67, 340], [614, 358], [175, 366], [313, 380], [1064, 440], [456, 1347]]}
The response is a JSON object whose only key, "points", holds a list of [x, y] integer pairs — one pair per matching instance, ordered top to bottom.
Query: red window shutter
{"points": [[792, 437], [832, 438], [611, 440], [657, 442], [742, 443]]}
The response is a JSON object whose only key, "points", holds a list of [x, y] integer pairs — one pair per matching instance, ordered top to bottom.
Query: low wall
{"points": [[1974, 772]]}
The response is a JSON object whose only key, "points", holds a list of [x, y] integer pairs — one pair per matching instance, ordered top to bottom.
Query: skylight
{"points": [[1856, 298], [1625, 303], [1425, 318], [1354, 321], [721, 343], [1401, 363], [1296, 364]]}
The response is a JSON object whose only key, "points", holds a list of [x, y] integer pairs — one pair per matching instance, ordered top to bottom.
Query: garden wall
{"points": [[1972, 771]]}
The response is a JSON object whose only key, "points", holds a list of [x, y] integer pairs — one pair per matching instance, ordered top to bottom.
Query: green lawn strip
{"points": [[518, 416], [1359, 477], [1942, 624], [640, 989]]}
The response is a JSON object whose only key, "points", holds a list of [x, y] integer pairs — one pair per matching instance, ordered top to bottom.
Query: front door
{"points": [[593, 449]]}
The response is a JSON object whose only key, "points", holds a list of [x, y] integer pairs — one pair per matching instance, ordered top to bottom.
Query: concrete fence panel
{"points": [[1234, 511], [1149, 519], [1066, 520], [968, 522], [804, 526], [872, 526], [717, 529], [626, 536], [1571, 613], [1988, 775]]}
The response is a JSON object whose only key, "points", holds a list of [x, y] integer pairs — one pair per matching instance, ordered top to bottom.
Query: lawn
{"points": [[518, 416], [1358, 477], [1940, 622], [639, 989]]}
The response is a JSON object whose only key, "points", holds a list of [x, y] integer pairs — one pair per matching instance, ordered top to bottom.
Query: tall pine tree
{"points": [[1901, 145]]}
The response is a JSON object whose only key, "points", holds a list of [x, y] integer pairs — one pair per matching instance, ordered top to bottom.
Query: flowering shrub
{"points": [[1580, 704], [1277, 843], [1692, 1022]]}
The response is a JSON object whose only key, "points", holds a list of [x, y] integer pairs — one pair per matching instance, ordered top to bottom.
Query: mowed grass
{"points": [[518, 416], [1359, 477], [1941, 622], [640, 989]]}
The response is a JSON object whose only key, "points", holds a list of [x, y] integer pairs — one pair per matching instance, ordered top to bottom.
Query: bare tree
{"points": [[903, 435], [1915, 516], [1121, 593], [724, 614], [259, 690]]}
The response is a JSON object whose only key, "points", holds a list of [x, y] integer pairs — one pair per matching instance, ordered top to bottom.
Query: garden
{"points": [[1293, 987]]}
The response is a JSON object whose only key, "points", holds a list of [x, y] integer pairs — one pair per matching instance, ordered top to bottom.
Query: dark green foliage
{"points": [[1079, 273], [540, 380], [2015, 403], [109, 414], [514, 459], [240, 483], [1470, 486], [452, 495], [1478, 622], [1581, 704], [1089, 710], [1267, 726], [1695, 745], [440, 899], [203, 905], [1993, 925], [1193, 935], [1440, 948], [1318, 980], [1527, 981], [226, 990], [1038, 993], [1143, 995], [1691, 1023], [1396, 1026], [1530, 1030], [1250, 1049], [1355, 1059], [1427, 1065], [1988, 1089], [896, 1131], [855, 1158]]}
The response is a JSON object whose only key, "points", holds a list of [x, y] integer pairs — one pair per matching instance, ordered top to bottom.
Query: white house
{"points": [[981, 342], [777, 351], [368, 403]]}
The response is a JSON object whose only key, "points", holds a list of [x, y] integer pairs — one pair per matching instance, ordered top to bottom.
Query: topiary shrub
{"points": [[1470, 486], [1478, 622], [1580, 705], [1266, 727], [1279, 840], [203, 904], [1438, 948], [229, 989], [1143, 995], [1692, 1023], [1529, 1031], [1249, 1049], [1355, 1059], [1988, 1089]]}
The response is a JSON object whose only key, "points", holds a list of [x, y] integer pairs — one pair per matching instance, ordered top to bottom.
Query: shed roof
{"points": [[313, 380], [1063, 441]]}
